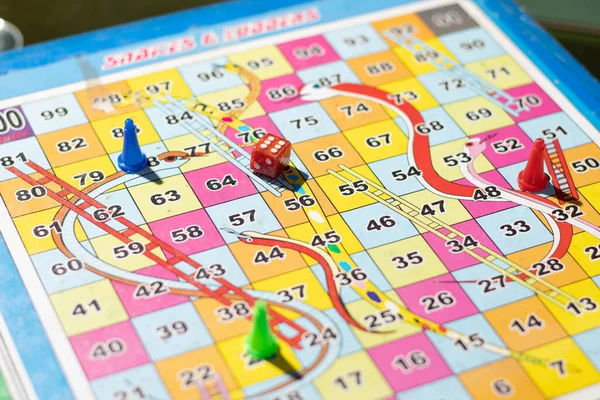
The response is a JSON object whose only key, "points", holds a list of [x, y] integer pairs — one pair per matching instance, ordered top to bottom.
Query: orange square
{"points": [[411, 24], [379, 68], [105, 101], [350, 112], [70, 145], [327, 152], [582, 173], [9, 189], [286, 216], [246, 254], [557, 276], [525, 324], [219, 330], [181, 374], [503, 379]]}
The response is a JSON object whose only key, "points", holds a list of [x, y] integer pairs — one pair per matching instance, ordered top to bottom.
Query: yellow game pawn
{"points": [[261, 342]]}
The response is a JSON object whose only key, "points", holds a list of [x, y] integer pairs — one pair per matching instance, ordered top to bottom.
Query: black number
{"points": [[472, 45], [261, 63], [382, 67], [495, 73], [212, 75], [453, 84], [159, 87], [282, 93], [235, 104], [351, 110], [57, 112], [482, 113], [11, 119], [306, 121], [427, 128], [257, 133], [553, 133], [379, 140], [71, 145], [507, 145], [327, 154], [458, 158], [7, 161], [582, 166], [399, 175], [94, 176], [216, 184], [348, 189], [490, 191], [36, 192], [169, 196], [294, 204], [430, 208], [106, 214], [561, 214], [243, 217], [385, 221], [515, 228], [41, 231], [184, 234], [329, 237], [459, 247], [131, 248], [594, 252], [262, 257], [412, 258], [72, 265], [550, 266], [215, 270], [355, 275], [494, 283], [150, 290], [295, 292], [438, 301], [585, 302], [83, 309], [236, 310], [524, 327], [174, 328], [317, 339], [473, 340], [104, 350], [415, 359], [191, 377], [349, 380]]}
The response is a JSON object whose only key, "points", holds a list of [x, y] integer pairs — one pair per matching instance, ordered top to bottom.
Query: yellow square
{"points": [[418, 62], [265, 63], [502, 72], [160, 83], [412, 91], [233, 99], [478, 115], [110, 130], [378, 141], [188, 143], [446, 159], [85, 173], [330, 185], [172, 197], [455, 212], [36, 230], [349, 241], [104, 247], [586, 251], [407, 261], [300, 285], [88, 307], [360, 309], [588, 316], [233, 352], [566, 368], [352, 369]]}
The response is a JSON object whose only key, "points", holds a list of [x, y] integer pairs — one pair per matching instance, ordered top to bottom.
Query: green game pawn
{"points": [[261, 342]]}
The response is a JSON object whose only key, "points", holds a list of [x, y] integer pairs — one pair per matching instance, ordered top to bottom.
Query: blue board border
{"points": [[59, 59]]}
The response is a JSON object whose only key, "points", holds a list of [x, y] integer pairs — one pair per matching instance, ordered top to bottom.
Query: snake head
{"points": [[315, 91], [474, 147]]}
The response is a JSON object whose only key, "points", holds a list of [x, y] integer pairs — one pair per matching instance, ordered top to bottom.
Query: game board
{"points": [[397, 255]]}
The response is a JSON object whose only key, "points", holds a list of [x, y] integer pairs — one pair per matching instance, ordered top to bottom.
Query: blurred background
{"points": [[575, 23]]}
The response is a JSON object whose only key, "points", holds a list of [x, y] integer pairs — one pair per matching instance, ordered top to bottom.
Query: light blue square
{"points": [[356, 41], [471, 45], [328, 74], [209, 76], [446, 89], [54, 117], [159, 118], [298, 124], [549, 124], [442, 127], [32, 151], [383, 170], [117, 198], [359, 218], [264, 220], [537, 234], [222, 256], [363, 261], [58, 273], [495, 295], [163, 332], [589, 343], [456, 357], [144, 378], [448, 388]]}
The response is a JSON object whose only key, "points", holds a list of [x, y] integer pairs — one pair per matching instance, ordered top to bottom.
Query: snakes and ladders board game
{"points": [[397, 254]]}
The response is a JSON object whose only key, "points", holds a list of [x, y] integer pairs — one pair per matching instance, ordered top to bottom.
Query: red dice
{"points": [[270, 155]]}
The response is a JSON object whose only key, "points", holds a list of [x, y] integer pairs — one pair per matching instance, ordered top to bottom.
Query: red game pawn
{"points": [[270, 156], [533, 178]]}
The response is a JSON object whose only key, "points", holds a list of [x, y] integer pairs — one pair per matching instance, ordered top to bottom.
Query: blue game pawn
{"points": [[131, 159]]}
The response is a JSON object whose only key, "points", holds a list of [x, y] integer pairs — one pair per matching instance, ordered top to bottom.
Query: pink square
{"points": [[308, 52], [280, 93], [536, 99], [259, 125], [506, 146], [219, 183], [478, 208], [182, 233], [456, 261], [439, 299], [141, 305], [108, 350], [409, 362]]}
